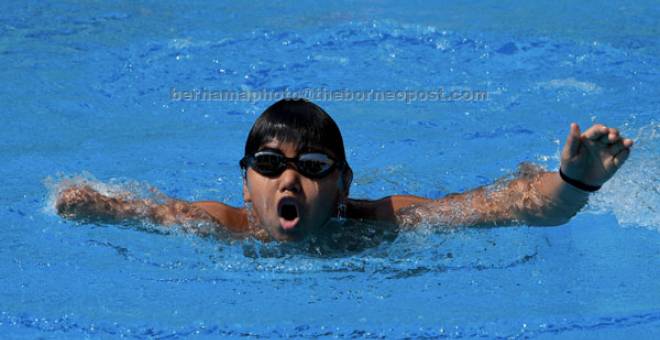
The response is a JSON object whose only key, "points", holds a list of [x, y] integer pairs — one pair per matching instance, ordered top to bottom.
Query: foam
{"points": [[571, 83], [128, 189], [633, 194]]}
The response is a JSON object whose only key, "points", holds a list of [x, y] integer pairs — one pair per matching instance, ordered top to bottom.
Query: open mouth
{"points": [[289, 213]]}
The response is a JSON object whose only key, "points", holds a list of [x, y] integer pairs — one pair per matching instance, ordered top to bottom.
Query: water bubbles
{"points": [[442, 45], [633, 194]]}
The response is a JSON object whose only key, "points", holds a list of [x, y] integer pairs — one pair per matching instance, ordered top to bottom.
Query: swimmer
{"points": [[296, 182]]}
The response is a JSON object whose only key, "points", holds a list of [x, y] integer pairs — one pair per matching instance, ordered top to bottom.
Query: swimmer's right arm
{"points": [[85, 203]]}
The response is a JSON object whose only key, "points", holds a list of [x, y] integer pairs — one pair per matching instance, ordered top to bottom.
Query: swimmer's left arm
{"points": [[588, 160], [540, 199]]}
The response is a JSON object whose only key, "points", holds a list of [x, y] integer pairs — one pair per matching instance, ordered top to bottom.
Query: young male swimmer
{"points": [[296, 179]]}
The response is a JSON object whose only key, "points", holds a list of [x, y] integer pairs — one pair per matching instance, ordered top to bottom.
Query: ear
{"points": [[346, 180], [246, 192]]}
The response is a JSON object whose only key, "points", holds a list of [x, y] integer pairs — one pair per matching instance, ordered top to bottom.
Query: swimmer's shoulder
{"points": [[384, 209], [232, 218]]}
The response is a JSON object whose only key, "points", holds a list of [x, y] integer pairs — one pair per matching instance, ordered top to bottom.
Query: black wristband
{"points": [[578, 184]]}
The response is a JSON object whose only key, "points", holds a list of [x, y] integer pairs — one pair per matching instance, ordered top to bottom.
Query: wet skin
{"points": [[592, 157]]}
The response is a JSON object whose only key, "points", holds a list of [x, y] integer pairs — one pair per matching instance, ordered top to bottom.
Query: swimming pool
{"points": [[87, 92]]}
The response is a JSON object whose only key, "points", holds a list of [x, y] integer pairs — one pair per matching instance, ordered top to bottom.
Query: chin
{"points": [[278, 233], [283, 236]]}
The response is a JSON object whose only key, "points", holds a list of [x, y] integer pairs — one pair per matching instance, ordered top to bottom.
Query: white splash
{"points": [[570, 83], [114, 188], [633, 194]]}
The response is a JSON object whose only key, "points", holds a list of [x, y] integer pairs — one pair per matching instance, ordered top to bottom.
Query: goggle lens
{"points": [[269, 163]]}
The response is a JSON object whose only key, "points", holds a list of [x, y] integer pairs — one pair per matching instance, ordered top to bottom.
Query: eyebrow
{"points": [[269, 148], [309, 148]]}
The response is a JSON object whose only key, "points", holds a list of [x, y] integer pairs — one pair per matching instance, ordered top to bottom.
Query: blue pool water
{"points": [[87, 97]]}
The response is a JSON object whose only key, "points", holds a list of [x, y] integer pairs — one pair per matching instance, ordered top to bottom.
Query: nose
{"points": [[290, 181]]}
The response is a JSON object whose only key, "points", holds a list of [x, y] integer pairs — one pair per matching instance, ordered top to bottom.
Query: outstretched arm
{"points": [[535, 198], [85, 203]]}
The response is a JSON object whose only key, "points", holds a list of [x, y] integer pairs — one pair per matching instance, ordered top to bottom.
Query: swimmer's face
{"points": [[291, 206]]}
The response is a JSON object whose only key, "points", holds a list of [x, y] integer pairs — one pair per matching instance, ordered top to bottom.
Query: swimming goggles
{"points": [[271, 163]]}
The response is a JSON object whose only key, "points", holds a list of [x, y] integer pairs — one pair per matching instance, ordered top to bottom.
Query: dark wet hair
{"points": [[296, 121], [304, 124]]}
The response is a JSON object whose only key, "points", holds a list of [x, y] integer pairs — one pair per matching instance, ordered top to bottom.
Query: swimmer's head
{"points": [[297, 200]]}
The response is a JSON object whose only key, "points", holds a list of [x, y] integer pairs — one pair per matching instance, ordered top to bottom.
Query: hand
{"points": [[594, 156], [76, 200]]}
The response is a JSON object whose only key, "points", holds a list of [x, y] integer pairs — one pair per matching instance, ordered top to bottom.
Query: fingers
{"points": [[595, 132], [604, 135], [611, 137], [572, 141], [628, 143], [620, 145], [614, 149], [620, 152], [621, 157]]}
